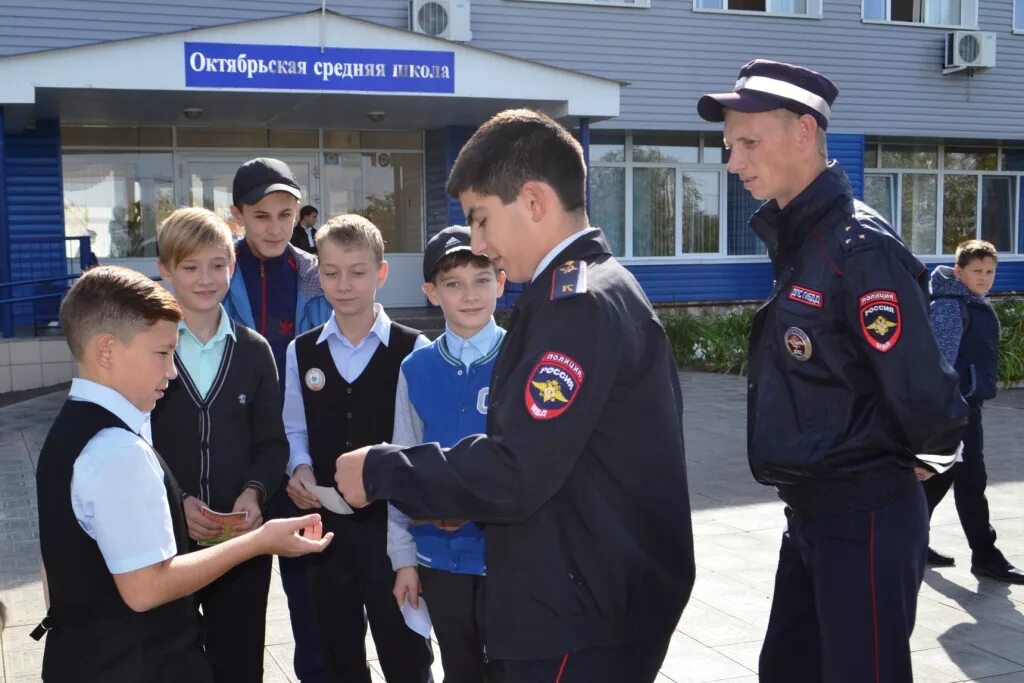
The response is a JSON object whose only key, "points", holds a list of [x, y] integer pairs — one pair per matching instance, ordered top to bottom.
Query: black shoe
{"points": [[939, 560], [999, 570]]}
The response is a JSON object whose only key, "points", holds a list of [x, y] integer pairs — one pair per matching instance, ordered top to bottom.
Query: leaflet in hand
{"points": [[330, 499], [229, 520], [417, 618]]}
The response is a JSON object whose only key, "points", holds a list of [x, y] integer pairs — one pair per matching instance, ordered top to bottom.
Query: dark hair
{"points": [[517, 146], [306, 210], [970, 250], [463, 257], [113, 300]]}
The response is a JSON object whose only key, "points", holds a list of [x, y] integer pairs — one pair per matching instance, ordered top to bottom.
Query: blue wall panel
{"points": [[848, 150], [34, 210]]}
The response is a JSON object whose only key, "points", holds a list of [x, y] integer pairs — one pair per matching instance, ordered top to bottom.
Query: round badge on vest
{"points": [[315, 379]]}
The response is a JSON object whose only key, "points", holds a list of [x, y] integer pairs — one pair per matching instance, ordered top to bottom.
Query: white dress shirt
{"points": [[550, 256], [117, 486]]}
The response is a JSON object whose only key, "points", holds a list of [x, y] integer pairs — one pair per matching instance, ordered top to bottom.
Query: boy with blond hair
{"points": [[340, 387], [220, 429], [112, 530]]}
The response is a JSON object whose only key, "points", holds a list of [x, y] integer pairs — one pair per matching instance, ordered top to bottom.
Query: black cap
{"points": [[764, 85], [257, 178], [448, 241]]}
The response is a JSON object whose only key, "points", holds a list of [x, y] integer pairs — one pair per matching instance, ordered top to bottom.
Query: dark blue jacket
{"points": [[966, 328], [846, 382]]}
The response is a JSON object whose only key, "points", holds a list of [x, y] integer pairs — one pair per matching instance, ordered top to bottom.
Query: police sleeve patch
{"points": [[880, 319], [552, 386]]}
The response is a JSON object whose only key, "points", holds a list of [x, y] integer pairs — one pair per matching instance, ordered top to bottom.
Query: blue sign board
{"points": [[292, 67]]}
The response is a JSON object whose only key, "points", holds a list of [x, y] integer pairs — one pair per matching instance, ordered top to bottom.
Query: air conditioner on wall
{"points": [[448, 19], [969, 50]]}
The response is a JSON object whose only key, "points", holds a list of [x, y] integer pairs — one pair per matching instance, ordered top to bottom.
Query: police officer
{"points": [[846, 386], [580, 481]]}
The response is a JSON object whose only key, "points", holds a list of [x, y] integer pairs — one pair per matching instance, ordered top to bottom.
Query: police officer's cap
{"points": [[764, 85], [448, 241]]}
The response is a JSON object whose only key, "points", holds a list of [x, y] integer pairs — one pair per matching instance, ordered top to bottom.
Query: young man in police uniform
{"points": [[846, 386], [580, 481]]}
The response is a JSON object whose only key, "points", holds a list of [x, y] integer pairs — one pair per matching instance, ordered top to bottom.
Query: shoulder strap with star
{"points": [[569, 279]]}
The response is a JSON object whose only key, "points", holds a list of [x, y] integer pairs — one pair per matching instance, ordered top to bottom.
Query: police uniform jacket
{"points": [[846, 381], [580, 481]]}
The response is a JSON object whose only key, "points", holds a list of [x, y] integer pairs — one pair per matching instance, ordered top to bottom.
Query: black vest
{"points": [[977, 361], [341, 416], [95, 636]]}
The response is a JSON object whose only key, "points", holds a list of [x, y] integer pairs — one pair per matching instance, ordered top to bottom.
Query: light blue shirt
{"points": [[550, 256], [474, 348], [349, 359], [202, 361], [117, 486]]}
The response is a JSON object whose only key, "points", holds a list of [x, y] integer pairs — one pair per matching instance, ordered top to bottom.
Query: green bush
{"points": [[713, 343], [718, 343]]}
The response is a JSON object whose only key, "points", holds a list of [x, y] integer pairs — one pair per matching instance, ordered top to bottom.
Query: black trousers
{"points": [[968, 479], [352, 582], [846, 595], [456, 604], [234, 621], [307, 660], [635, 663]]}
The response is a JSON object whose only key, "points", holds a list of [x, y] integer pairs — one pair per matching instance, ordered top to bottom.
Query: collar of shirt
{"points": [[546, 261], [381, 329], [224, 330], [476, 347], [115, 402]]}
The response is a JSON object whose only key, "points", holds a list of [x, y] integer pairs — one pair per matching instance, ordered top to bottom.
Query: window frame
{"points": [[639, 4], [968, 7], [814, 11], [1017, 28], [628, 166], [940, 170]]}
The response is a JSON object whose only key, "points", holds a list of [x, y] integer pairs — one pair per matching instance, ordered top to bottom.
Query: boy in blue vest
{"points": [[967, 331], [340, 382], [442, 397], [112, 531]]}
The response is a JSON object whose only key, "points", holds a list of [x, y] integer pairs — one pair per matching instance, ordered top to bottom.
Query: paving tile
{"points": [[966, 661]]}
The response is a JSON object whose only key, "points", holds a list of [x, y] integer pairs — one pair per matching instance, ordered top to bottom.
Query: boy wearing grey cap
{"points": [[846, 385]]}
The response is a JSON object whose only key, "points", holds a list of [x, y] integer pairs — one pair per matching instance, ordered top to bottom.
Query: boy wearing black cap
{"points": [[275, 290], [846, 385], [442, 397]]}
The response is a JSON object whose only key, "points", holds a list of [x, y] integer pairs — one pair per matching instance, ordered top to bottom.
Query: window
{"points": [[611, 3], [794, 8], [953, 13], [1018, 16], [658, 194], [940, 195], [118, 200]]}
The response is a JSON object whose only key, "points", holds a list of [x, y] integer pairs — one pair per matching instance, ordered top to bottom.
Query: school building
{"points": [[114, 113]]}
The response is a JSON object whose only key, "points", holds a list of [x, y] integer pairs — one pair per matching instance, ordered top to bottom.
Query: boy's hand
{"points": [[923, 473], [349, 477], [298, 491], [249, 502], [199, 527], [293, 537], [407, 583]]}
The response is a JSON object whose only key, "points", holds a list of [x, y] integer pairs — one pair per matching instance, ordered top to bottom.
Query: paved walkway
{"points": [[966, 629]]}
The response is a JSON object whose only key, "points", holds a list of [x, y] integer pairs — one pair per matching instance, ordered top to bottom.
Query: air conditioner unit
{"points": [[448, 19], [969, 50]]}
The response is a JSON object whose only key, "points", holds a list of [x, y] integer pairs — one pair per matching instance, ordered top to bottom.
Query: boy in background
{"points": [[967, 330], [341, 379], [443, 397], [219, 426], [112, 532]]}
